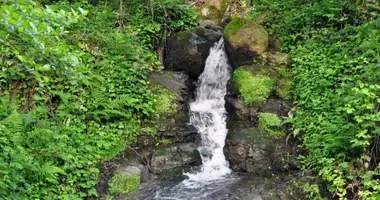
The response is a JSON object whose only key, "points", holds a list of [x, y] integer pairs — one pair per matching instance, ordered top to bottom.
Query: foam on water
{"points": [[208, 115]]}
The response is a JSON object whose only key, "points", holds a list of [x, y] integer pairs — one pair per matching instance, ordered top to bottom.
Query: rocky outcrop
{"points": [[247, 39], [187, 51], [251, 150]]}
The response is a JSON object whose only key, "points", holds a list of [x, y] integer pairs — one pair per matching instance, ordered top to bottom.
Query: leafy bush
{"points": [[335, 50], [253, 89], [74, 92]]}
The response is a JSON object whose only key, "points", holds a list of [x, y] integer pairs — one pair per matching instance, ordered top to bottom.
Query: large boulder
{"points": [[211, 12], [247, 39], [188, 50], [251, 150]]}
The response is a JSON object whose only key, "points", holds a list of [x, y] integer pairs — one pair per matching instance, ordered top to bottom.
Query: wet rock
{"points": [[247, 40], [187, 51], [173, 81], [277, 106], [240, 110], [172, 126], [249, 150], [176, 155], [128, 171]]}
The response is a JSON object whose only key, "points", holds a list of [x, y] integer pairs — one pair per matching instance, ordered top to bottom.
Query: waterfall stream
{"points": [[208, 116]]}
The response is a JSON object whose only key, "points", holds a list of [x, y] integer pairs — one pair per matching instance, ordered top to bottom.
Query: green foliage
{"points": [[290, 19], [152, 21], [336, 56], [254, 89], [74, 92], [270, 124], [124, 184]]}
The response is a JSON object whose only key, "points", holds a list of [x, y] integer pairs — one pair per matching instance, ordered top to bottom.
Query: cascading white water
{"points": [[208, 115]]}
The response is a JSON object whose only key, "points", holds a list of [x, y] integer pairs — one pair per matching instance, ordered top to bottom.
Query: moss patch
{"points": [[233, 27], [280, 74], [283, 88], [254, 89], [164, 104], [270, 124], [164, 141], [124, 184]]}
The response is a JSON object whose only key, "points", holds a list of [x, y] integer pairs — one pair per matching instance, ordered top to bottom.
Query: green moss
{"points": [[233, 27], [280, 74], [283, 88], [254, 89], [164, 104], [270, 124], [164, 141], [124, 184]]}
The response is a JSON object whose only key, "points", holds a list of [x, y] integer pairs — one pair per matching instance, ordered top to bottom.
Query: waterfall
{"points": [[208, 115]]}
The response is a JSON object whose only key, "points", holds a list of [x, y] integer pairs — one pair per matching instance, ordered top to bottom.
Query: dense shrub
{"points": [[335, 47], [74, 92]]}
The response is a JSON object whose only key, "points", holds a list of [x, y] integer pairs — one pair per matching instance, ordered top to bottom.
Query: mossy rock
{"points": [[211, 12], [247, 38], [280, 74], [254, 88], [270, 124], [126, 180]]}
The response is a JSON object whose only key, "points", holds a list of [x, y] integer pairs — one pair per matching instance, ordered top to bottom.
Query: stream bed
{"points": [[231, 187]]}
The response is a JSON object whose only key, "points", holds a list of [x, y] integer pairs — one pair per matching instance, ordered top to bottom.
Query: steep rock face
{"points": [[247, 40], [188, 50], [174, 126], [257, 141], [253, 151]]}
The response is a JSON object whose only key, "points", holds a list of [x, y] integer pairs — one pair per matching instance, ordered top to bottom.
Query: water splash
{"points": [[208, 115]]}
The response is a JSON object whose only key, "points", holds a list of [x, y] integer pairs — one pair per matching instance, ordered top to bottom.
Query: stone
{"points": [[211, 12], [247, 39], [187, 51], [279, 59], [173, 81], [277, 106], [249, 150], [176, 155], [129, 170], [125, 180]]}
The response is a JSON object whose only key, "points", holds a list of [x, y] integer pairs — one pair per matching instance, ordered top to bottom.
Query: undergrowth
{"points": [[335, 47], [74, 89]]}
